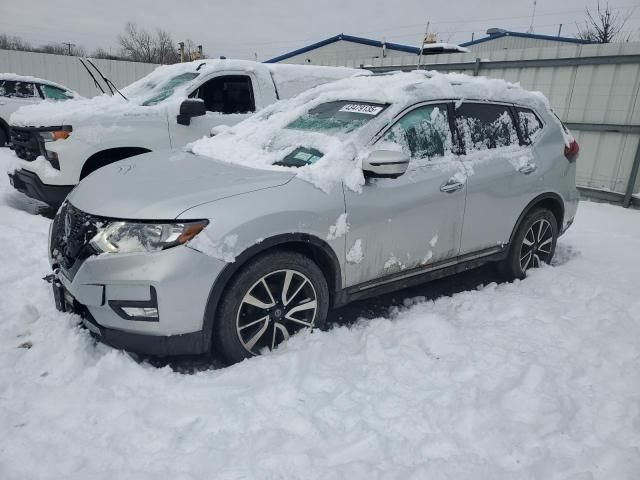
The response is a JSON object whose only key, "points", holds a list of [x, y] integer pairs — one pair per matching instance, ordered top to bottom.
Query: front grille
{"points": [[27, 143], [71, 232]]}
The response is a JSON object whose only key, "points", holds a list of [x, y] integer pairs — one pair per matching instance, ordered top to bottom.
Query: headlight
{"points": [[52, 136], [132, 237]]}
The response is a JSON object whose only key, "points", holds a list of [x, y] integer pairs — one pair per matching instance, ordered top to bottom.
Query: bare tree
{"points": [[604, 26], [13, 43], [137, 44], [140, 45], [165, 49]]}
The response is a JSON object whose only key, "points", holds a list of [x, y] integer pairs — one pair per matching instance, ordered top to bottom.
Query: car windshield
{"points": [[165, 90], [339, 117]]}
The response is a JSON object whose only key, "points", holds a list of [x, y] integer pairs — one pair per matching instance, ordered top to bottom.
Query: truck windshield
{"points": [[165, 90], [337, 117]]}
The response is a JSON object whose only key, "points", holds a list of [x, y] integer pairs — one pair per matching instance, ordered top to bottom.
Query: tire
{"points": [[4, 137], [533, 244], [255, 314]]}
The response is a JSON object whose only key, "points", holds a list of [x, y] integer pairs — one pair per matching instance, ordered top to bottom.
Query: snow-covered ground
{"points": [[538, 379]]}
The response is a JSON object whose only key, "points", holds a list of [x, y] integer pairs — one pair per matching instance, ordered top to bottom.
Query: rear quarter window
{"points": [[530, 124], [485, 125]]}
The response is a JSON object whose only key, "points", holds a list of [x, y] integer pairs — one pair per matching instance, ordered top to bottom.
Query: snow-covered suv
{"points": [[18, 91], [173, 105], [352, 189]]}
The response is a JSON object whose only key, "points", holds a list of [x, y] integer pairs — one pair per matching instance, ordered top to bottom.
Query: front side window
{"points": [[10, 88], [167, 89], [54, 93], [227, 94], [530, 124], [483, 126], [423, 132]]}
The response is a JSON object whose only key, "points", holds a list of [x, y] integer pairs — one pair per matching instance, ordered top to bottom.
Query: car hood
{"points": [[161, 185]]}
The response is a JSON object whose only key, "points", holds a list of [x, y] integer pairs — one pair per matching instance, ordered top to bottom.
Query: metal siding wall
{"points": [[68, 71]]}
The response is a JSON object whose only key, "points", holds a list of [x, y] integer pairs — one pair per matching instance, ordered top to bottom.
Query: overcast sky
{"points": [[242, 28]]}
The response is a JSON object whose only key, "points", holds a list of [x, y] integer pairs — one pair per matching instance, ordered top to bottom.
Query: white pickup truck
{"points": [[58, 145]]}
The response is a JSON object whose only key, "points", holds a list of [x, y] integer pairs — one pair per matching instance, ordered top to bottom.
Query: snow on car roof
{"points": [[28, 79], [290, 80], [263, 140]]}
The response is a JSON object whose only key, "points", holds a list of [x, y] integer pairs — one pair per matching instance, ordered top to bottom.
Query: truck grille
{"points": [[27, 143], [71, 231]]}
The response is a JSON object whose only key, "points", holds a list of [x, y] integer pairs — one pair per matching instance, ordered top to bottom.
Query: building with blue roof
{"points": [[345, 49]]}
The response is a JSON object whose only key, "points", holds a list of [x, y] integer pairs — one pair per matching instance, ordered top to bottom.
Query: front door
{"points": [[229, 99], [411, 222]]}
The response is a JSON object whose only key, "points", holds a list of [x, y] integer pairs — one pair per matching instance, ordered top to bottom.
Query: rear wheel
{"points": [[533, 244], [271, 299]]}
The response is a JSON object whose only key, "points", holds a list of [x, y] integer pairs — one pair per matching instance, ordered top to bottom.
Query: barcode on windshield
{"points": [[361, 108]]}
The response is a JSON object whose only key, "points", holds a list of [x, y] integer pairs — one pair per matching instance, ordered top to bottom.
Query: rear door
{"points": [[229, 98], [502, 176], [402, 226]]}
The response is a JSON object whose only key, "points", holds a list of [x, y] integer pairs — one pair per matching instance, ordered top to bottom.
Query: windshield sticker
{"points": [[361, 108]]}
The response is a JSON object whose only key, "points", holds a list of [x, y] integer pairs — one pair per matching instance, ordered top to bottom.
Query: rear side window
{"points": [[10, 88], [54, 93], [228, 94], [530, 124], [483, 126], [423, 132]]}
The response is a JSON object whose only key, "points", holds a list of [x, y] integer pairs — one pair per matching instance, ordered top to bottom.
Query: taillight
{"points": [[571, 151]]}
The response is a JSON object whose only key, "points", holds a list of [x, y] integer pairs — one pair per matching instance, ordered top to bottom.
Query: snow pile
{"points": [[291, 79], [264, 139], [340, 228], [224, 249], [355, 254], [536, 379]]}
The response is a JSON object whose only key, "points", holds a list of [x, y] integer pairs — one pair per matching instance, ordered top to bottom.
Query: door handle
{"points": [[528, 168], [451, 186]]}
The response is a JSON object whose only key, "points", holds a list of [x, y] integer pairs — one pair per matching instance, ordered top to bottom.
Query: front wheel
{"points": [[533, 244], [271, 299]]}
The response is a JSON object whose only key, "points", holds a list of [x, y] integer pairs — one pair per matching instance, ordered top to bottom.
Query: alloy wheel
{"points": [[536, 245], [275, 307]]}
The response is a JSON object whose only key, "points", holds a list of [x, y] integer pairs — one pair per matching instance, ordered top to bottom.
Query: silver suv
{"points": [[363, 186]]}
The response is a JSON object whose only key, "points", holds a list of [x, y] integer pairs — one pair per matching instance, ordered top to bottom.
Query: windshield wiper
{"points": [[92, 76], [109, 83]]}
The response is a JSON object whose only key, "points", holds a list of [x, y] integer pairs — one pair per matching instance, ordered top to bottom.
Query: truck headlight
{"points": [[53, 135], [134, 237]]}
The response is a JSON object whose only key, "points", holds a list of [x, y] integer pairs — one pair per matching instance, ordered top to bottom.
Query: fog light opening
{"points": [[138, 310]]}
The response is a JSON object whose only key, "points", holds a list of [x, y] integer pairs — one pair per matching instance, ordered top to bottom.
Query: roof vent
{"points": [[495, 31]]}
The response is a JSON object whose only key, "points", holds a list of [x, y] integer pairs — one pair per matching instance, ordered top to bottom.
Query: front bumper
{"points": [[30, 184], [178, 280]]}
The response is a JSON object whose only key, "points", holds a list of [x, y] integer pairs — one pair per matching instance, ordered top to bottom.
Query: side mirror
{"points": [[190, 108], [385, 164]]}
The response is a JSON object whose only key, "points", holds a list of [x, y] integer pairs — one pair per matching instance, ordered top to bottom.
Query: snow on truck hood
{"points": [[146, 99], [256, 141], [162, 185]]}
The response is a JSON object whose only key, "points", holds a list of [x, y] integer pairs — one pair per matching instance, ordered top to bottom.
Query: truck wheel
{"points": [[533, 244], [268, 301]]}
